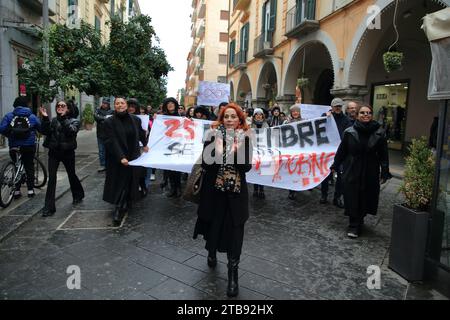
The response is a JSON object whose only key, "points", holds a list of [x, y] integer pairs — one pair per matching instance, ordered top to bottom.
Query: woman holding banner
{"points": [[170, 108], [295, 116], [123, 132], [364, 150], [223, 208]]}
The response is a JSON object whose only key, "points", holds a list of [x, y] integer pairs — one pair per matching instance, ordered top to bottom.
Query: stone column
{"points": [[350, 93], [285, 102], [260, 103]]}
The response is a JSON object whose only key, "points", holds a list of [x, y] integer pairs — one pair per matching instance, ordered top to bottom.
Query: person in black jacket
{"points": [[100, 116], [342, 122], [123, 132], [61, 140], [364, 151], [223, 207]]}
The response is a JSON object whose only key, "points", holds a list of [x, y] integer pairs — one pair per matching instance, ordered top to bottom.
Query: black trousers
{"points": [[27, 153], [68, 160], [174, 179], [257, 187], [337, 187]]}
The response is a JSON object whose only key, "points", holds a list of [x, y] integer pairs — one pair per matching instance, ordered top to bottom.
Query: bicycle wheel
{"points": [[40, 173], [7, 174]]}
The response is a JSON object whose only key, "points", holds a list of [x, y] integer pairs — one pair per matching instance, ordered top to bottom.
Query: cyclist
{"points": [[20, 127]]}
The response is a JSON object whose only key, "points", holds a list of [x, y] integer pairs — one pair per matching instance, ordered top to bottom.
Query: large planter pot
{"points": [[408, 242]]}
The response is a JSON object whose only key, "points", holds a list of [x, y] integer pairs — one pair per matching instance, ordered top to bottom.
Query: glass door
{"points": [[389, 106]]}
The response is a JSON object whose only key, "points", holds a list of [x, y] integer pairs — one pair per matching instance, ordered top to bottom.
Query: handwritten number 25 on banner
{"points": [[175, 126]]}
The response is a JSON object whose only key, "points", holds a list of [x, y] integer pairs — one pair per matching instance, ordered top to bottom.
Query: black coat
{"points": [[100, 116], [61, 133], [365, 157], [118, 176], [238, 203]]}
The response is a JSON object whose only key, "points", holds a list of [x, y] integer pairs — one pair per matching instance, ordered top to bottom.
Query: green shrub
{"points": [[88, 114], [417, 185]]}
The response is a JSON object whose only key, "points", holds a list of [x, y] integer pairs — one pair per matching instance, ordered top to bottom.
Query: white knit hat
{"points": [[258, 110]]}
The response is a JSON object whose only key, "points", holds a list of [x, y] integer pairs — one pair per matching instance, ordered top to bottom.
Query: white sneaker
{"points": [[152, 177]]}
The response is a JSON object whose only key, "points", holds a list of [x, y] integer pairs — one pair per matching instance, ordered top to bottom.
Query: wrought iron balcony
{"points": [[301, 19], [263, 45], [240, 60]]}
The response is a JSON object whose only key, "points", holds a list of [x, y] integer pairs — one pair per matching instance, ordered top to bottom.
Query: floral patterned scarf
{"points": [[228, 178]]}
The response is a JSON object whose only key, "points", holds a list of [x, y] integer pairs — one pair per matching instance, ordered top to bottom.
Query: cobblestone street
{"points": [[292, 249]]}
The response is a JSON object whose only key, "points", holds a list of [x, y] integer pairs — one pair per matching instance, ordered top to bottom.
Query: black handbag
{"points": [[194, 184]]}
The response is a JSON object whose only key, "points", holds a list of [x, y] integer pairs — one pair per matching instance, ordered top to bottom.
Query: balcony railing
{"points": [[241, 4], [36, 6], [202, 9], [301, 19], [201, 30], [263, 45], [240, 59]]}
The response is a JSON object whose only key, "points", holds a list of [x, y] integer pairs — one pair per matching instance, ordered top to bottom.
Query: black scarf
{"points": [[366, 128]]}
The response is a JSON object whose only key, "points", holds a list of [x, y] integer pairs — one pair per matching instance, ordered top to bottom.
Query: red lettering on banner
{"points": [[175, 124], [187, 126], [305, 181]]}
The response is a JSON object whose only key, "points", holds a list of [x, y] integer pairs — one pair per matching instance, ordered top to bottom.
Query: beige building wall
{"points": [[213, 46], [203, 62]]}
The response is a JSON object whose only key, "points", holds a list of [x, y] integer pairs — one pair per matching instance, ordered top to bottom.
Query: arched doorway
{"points": [[311, 61], [267, 86], [244, 91], [399, 98]]}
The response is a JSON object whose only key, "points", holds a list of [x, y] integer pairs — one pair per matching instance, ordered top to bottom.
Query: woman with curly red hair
{"points": [[223, 208]]}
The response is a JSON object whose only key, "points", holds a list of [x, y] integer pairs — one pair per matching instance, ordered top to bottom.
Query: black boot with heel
{"points": [[233, 286]]}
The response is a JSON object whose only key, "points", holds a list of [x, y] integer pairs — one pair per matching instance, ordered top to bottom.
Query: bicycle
{"points": [[13, 174]]}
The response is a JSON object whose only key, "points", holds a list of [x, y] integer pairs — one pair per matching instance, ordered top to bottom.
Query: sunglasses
{"points": [[61, 105], [366, 113]]}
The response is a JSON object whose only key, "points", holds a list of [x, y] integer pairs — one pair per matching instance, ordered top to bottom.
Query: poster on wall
{"points": [[213, 93]]}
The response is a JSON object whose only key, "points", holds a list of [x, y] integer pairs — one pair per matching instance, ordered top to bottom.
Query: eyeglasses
{"points": [[61, 105], [366, 113]]}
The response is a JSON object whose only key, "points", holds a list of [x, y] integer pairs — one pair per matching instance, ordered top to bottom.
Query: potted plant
{"points": [[392, 61], [302, 82], [242, 94], [88, 117], [410, 219]]}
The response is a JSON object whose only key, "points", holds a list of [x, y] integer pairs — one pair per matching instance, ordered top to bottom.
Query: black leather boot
{"points": [[117, 216], [212, 259], [233, 286]]}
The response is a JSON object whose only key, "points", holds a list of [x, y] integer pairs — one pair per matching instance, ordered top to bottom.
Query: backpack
{"points": [[20, 128]]}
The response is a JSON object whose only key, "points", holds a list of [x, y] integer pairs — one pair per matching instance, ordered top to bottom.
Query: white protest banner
{"points": [[212, 93], [311, 111], [145, 118], [295, 156]]}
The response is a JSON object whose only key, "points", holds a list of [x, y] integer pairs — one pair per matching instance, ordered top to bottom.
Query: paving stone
{"points": [[166, 250], [171, 268], [217, 287], [274, 289], [175, 290]]}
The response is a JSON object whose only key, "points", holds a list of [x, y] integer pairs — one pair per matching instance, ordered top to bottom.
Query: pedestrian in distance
{"points": [[350, 111], [100, 115], [294, 116], [275, 117], [259, 122], [20, 127], [123, 132], [61, 140], [364, 151], [223, 207]]}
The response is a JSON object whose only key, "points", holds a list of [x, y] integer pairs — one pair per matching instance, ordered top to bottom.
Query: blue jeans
{"points": [[101, 152], [147, 177]]}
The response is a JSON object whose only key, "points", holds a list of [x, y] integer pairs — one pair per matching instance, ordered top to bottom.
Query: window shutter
{"points": [[273, 15]]}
